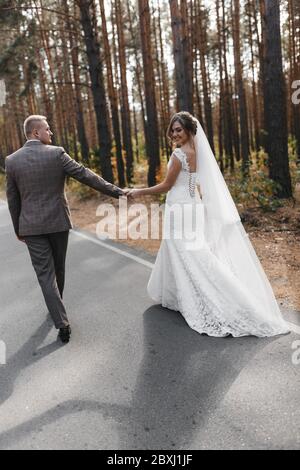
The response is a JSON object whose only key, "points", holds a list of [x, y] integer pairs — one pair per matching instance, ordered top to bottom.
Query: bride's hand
{"points": [[126, 191], [134, 193]]}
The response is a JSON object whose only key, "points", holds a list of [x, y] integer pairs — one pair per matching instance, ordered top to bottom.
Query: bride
{"points": [[206, 267]]}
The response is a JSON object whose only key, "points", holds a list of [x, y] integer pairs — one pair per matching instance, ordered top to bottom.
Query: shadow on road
{"points": [[26, 356], [183, 377]]}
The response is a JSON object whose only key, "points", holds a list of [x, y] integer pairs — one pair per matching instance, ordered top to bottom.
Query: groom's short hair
{"points": [[31, 122]]}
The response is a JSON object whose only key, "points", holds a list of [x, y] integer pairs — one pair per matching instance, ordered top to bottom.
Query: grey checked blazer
{"points": [[35, 181]]}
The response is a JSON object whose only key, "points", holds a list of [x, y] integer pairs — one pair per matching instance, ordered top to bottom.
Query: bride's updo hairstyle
{"points": [[186, 120]]}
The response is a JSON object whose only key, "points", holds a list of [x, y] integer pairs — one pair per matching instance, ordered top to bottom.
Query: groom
{"points": [[35, 180]]}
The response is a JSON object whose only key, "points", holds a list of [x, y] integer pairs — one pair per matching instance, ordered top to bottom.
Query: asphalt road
{"points": [[134, 376]]}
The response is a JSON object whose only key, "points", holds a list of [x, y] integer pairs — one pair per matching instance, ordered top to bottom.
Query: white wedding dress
{"points": [[188, 277]]}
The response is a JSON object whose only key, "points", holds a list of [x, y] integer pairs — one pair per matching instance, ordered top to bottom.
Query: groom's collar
{"points": [[33, 142]]}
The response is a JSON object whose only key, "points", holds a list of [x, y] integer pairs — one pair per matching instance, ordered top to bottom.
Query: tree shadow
{"points": [[26, 356], [183, 377], [10, 437]]}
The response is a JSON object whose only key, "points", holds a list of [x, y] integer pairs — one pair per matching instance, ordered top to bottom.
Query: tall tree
{"points": [[249, 8], [201, 35], [74, 46], [294, 57], [183, 69], [98, 88], [113, 98], [275, 101], [125, 109], [243, 119], [228, 127], [152, 135]]}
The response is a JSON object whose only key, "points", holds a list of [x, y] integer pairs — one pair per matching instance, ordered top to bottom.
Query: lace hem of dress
{"points": [[204, 316]]}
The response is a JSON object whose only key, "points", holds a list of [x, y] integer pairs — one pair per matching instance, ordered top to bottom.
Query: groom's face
{"points": [[43, 133]]}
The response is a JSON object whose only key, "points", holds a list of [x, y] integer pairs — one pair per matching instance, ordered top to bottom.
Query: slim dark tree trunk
{"points": [[202, 44], [138, 68], [182, 72], [253, 84], [98, 89], [221, 94], [113, 98], [275, 101], [242, 106], [125, 110], [80, 124], [228, 132], [152, 135]]}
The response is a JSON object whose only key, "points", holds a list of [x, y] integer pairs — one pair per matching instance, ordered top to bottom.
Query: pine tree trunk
{"points": [[202, 45], [294, 53], [138, 69], [182, 74], [98, 89], [113, 98], [221, 99], [275, 101], [125, 110], [255, 110], [243, 121], [80, 124], [152, 141], [229, 160]]}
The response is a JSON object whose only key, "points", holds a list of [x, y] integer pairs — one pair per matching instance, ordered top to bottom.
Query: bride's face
{"points": [[178, 133]]}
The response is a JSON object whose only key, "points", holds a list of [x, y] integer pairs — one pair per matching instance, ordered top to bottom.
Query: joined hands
{"points": [[132, 193]]}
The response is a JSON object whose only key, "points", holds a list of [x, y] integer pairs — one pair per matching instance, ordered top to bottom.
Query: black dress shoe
{"points": [[65, 333]]}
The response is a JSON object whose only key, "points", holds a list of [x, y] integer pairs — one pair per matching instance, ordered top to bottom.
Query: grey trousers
{"points": [[48, 256]]}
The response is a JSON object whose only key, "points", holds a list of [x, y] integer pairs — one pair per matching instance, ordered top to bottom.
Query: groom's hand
{"points": [[127, 192], [134, 193]]}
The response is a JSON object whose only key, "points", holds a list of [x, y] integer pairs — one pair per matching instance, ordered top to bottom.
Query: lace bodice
{"points": [[186, 180]]}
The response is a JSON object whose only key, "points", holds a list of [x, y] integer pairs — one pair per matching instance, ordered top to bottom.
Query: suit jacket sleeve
{"points": [[86, 176], [13, 198]]}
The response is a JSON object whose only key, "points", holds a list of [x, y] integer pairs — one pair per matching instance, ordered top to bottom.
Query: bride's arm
{"points": [[166, 185]]}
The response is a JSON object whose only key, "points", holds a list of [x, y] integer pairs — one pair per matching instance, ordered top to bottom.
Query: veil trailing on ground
{"points": [[224, 232]]}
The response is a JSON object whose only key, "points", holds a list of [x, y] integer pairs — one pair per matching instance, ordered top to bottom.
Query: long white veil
{"points": [[225, 233]]}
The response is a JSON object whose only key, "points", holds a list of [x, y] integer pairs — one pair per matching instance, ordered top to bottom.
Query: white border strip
{"points": [[113, 248]]}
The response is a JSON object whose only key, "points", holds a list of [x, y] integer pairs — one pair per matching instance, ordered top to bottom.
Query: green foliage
{"points": [[10, 15], [94, 160], [294, 162], [257, 187], [81, 190]]}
